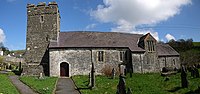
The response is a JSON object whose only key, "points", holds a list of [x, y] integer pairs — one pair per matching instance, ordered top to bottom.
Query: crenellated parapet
{"points": [[42, 8]]}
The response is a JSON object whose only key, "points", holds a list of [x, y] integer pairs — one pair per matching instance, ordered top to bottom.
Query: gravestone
{"points": [[122, 69], [113, 73], [41, 76], [92, 77], [184, 81], [121, 87]]}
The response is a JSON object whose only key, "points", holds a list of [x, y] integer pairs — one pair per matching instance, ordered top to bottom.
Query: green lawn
{"points": [[151, 83], [43, 86], [6, 87]]}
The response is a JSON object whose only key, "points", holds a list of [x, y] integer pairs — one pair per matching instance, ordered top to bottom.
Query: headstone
{"points": [[122, 68], [113, 73], [41, 76], [92, 77], [184, 81], [121, 87], [129, 91]]}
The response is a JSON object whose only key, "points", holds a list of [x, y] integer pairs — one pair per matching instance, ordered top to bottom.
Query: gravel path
{"points": [[66, 86], [22, 88]]}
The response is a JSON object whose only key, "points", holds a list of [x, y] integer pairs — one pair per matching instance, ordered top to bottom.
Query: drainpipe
{"points": [[141, 63], [92, 73]]}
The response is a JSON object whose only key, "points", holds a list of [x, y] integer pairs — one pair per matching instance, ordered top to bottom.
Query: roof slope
{"points": [[97, 39], [166, 50]]}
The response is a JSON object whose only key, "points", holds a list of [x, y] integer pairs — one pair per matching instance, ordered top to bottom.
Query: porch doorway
{"points": [[64, 69]]}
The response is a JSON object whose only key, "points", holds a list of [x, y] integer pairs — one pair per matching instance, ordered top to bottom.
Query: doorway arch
{"points": [[64, 69]]}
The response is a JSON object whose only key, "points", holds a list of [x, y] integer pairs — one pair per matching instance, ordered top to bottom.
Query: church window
{"points": [[100, 56], [121, 56], [174, 61]]}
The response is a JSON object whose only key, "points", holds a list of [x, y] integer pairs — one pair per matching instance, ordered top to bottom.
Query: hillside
{"points": [[196, 44]]}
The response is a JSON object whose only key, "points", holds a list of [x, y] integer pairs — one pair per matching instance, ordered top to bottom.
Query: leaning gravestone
{"points": [[184, 81], [121, 87]]}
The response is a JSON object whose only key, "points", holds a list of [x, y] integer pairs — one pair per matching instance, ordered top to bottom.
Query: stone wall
{"points": [[79, 60], [137, 61], [169, 61], [143, 63], [32, 69]]}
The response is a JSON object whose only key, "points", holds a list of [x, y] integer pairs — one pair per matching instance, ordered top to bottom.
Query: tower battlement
{"points": [[40, 4], [42, 8]]}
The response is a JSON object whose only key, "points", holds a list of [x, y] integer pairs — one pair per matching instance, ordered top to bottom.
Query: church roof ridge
{"points": [[128, 33]]}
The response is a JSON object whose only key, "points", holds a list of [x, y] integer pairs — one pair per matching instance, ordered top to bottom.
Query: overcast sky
{"points": [[164, 19]]}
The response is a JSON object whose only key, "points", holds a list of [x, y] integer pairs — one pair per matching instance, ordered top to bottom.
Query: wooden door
{"points": [[64, 69]]}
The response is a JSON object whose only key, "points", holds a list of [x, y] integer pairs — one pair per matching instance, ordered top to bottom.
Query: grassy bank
{"points": [[151, 83], [43, 86], [6, 87]]}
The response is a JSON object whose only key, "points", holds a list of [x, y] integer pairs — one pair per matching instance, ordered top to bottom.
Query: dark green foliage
{"points": [[181, 45], [189, 50], [190, 57]]}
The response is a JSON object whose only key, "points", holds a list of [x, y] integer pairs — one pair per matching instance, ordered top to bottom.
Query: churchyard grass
{"points": [[149, 83], [42, 86], [6, 87]]}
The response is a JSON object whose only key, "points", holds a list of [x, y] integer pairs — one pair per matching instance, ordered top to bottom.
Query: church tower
{"points": [[43, 25]]}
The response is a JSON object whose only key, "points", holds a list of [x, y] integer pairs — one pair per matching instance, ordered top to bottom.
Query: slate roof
{"points": [[97, 39], [166, 50]]}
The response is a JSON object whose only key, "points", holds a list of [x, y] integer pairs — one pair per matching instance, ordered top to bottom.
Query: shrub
{"points": [[106, 70]]}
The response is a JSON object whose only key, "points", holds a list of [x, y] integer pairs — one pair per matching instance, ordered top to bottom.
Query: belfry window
{"points": [[41, 19], [150, 45], [100, 55]]}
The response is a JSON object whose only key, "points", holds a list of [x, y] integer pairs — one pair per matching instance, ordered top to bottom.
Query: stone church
{"points": [[56, 53]]}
